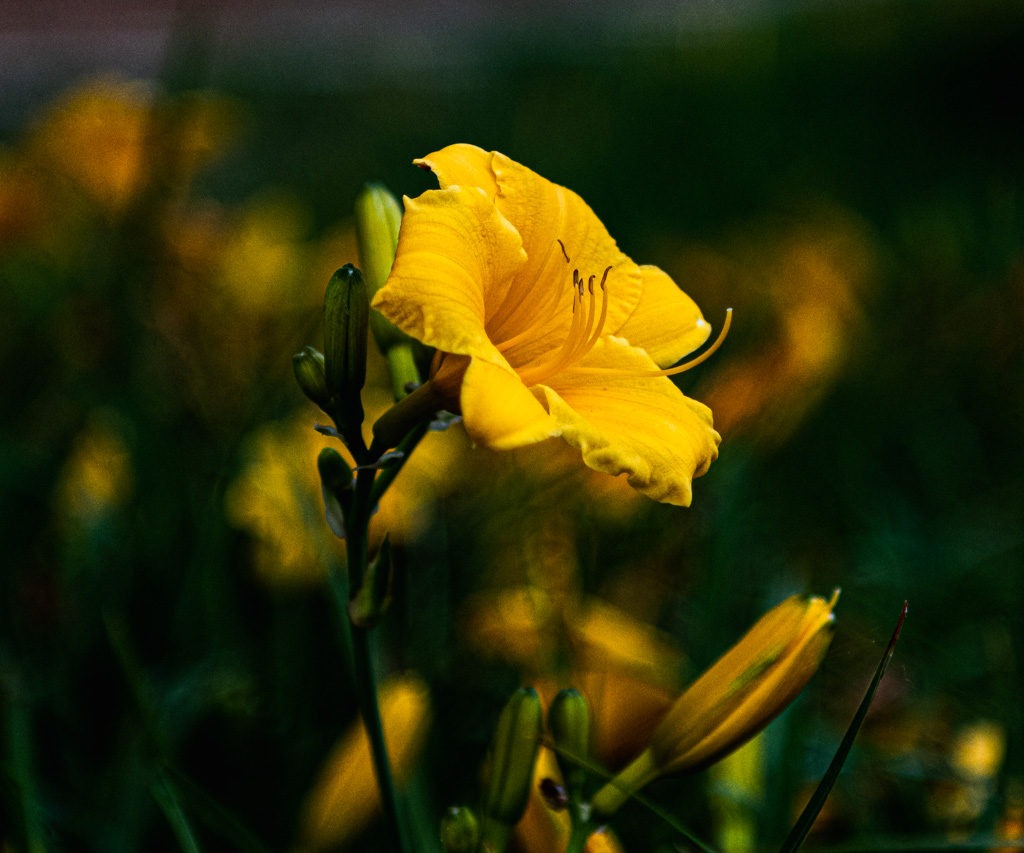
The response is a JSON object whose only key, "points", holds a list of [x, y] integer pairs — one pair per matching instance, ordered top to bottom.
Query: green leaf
{"points": [[803, 825]]}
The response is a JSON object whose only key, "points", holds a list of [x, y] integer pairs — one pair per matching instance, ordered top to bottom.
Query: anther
{"points": [[565, 254], [604, 278], [590, 283]]}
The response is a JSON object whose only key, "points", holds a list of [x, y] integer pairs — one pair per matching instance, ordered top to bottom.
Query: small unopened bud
{"points": [[378, 219], [346, 314], [311, 376], [336, 485], [569, 724], [513, 753], [460, 830]]}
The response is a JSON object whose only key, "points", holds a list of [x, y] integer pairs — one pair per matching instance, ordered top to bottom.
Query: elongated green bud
{"points": [[378, 219], [346, 315], [311, 376], [336, 485], [569, 724], [513, 753], [460, 830]]}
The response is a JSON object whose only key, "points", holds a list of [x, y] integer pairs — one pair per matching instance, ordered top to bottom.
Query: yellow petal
{"points": [[462, 165], [544, 213], [456, 257], [666, 323], [499, 412], [641, 426], [747, 687], [541, 829]]}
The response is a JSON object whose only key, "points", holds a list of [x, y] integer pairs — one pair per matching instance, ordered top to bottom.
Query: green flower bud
{"points": [[378, 219], [346, 314], [311, 376], [336, 485], [569, 724], [513, 753], [460, 830]]}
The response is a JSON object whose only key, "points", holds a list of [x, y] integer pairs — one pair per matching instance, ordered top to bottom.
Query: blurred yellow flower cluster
{"points": [[802, 286], [97, 478], [277, 494], [344, 796]]}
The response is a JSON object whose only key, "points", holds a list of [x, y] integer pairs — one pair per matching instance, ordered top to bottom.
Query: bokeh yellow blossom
{"points": [[106, 135], [805, 284], [98, 476], [277, 495], [344, 797], [543, 829]]}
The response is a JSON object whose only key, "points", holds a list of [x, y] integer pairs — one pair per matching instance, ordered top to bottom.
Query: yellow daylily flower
{"points": [[543, 327], [744, 690]]}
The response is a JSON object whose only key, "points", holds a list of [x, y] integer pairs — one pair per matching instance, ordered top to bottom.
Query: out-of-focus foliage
{"points": [[846, 177]]}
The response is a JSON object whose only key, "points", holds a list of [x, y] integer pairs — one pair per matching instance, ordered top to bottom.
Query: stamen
{"points": [[580, 340], [670, 371]]}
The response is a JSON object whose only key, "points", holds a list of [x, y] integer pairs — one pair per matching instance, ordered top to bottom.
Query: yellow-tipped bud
{"points": [[378, 219], [346, 314], [312, 376], [737, 697], [569, 724], [513, 753], [460, 830]]}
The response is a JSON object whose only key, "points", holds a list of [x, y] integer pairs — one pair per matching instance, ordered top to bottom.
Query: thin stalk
{"points": [[387, 475], [365, 682], [167, 797], [581, 830]]}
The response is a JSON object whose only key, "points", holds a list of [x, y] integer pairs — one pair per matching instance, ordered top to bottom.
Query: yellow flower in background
{"points": [[104, 136], [808, 280], [543, 327], [97, 477], [277, 495], [627, 670], [738, 696], [344, 796], [737, 796], [543, 829]]}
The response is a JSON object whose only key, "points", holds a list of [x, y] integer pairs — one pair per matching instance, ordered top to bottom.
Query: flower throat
{"points": [[584, 333]]}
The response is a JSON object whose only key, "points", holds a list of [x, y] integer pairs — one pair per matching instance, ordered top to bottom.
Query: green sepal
{"points": [[346, 316], [336, 483], [371, 602]]}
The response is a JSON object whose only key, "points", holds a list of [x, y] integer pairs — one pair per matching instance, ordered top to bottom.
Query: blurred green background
{"points": [[846, 176]]}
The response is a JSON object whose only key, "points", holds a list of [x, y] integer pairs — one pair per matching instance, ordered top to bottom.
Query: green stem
{"points": [[387, 475], [365, 682], [19, 742], [165, 794], [578, 837]]}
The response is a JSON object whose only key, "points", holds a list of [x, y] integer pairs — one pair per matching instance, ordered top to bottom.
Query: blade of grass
{"points": [[167, 797], [214, 815], [807, 817]]}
